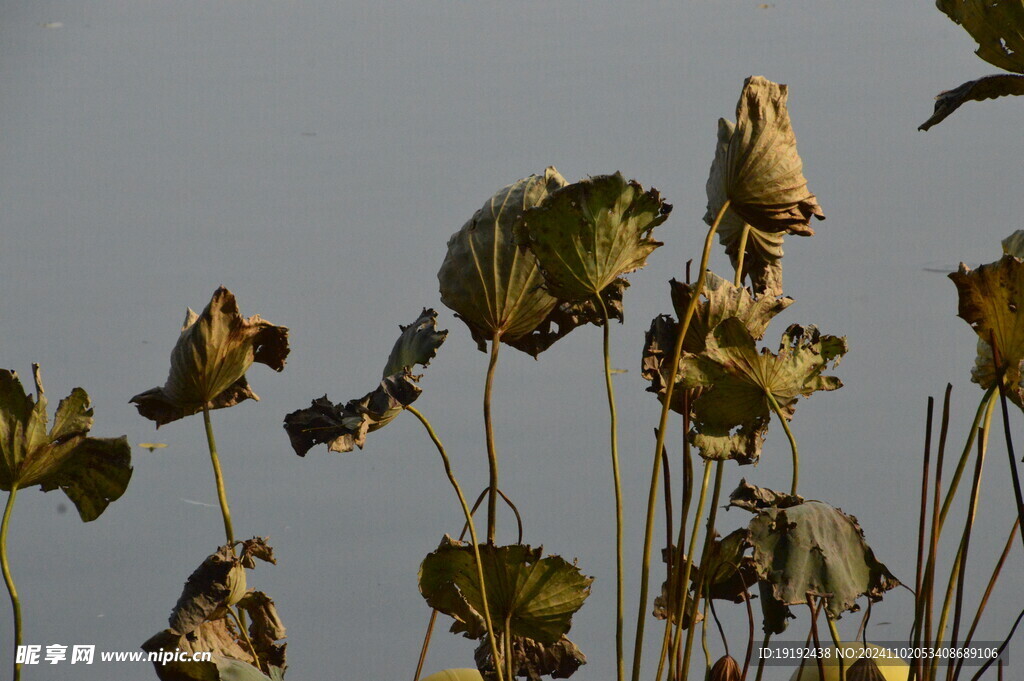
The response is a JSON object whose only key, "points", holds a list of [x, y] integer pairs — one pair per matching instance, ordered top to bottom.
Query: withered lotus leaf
{"points": [[998, 28], [757, 169], [588, 234], [492, 285], [721, 300], [990, 301], [209, 361], [733, 410], [344, 427], [91, 471], [811, 547], [537, 594], [200, 622], [533, 660]]}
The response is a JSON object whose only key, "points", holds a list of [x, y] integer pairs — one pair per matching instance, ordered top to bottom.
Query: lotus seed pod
{"points": [[493, 286], [236, 582], [726, 669]]}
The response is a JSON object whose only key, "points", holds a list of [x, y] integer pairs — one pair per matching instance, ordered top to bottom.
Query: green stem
{"points": [[742, 252], [988, 402], [792, 441], [492, 454], [222, 495], [652, 498], [472, 534], [709, 536], [619, 589], [15, 603], [245, 637], [838, 642], [509, 671]]}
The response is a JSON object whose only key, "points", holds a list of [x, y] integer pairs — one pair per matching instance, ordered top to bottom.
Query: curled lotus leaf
{"points": [[987, 87], [757, 169], [588, 234], [491, 284], [990, 300], [209, 361], [732, 413], [343, 427], [91, 471], [753, 498], [813, 548], [537, 595], [666, 604], [200, 622], [533, 660]]}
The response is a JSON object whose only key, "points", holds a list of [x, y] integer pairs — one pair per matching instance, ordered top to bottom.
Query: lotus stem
{"points": [[742, 253], [988, 402], [792, 441], [1009, 452], [492, 454], [222, 494], [652, 498], [922, 525], [472, 533], [709, 537], [933, 546], [961, 553], [619, 576], [15, 602], [704, 638], [248, 642], [838, 642], [760, 662], [509, 671]]}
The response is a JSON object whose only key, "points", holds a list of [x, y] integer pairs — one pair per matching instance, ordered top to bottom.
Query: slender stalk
{"points": [[738, 281], [988, 402], [792, 440], [1009, 452], [492, 454], [222, 494], [652, 499], [472, 533], [709, 537], [966, 543], [933, 546], [619, 576], [919, 576], [988, 590], [15, 602], [815, 609], [704, 639], [248, 642], [838, 642], [426, 645], [760, 662], [509, 671], [978, 674]]}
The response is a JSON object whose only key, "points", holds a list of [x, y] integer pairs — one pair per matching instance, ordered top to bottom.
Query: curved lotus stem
{"points": [[792, 441], [492, 453], [222, 495], [15, 602]]}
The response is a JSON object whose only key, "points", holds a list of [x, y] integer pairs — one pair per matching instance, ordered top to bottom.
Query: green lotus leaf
{"points": [[997, 27], [988, 87], [757, 169], [588, 234], [490, 283], [990, 298], [417, 345], [209, 361], [732, 413], [344, 427], [92, 471], [811, 547], [536, 595], [200, 623], [534, 660]]}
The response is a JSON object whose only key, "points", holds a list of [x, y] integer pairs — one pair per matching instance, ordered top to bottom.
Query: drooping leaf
{"points": [[996, 25], [988, 87], [757, 169], [588, 234], [490, 283], [991, 298], [418, 343], [209, 361], [733, 412], [344, 427], [92, 471], [753, 498], [811, 547], [539, 595], [666, 604], [200, 622], [534, 660]]}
